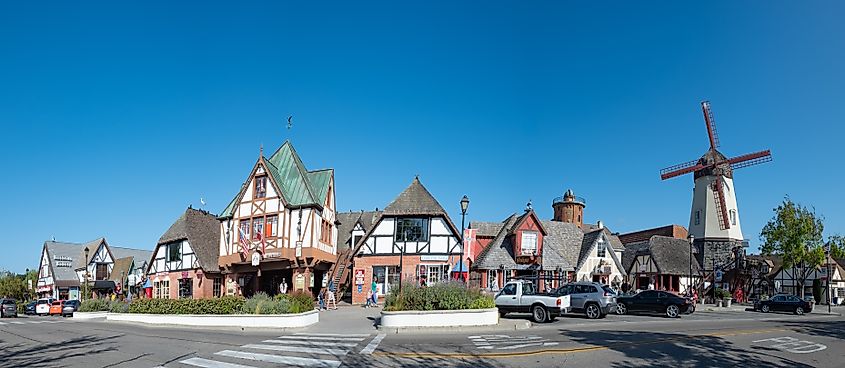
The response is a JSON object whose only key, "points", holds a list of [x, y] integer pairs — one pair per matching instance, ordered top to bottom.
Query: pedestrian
{"points": [[374, 289], [330, 298], [321, 299], [369, 299]]}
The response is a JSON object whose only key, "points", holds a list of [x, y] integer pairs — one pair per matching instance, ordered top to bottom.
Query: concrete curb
{"points": [[89, 315], [440, 318], [224, 320], [510, 325]]}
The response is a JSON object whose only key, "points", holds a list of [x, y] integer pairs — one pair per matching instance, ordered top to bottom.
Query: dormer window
{"points": [[260, 187], [412, 229], [529, 243], [601, 252]]}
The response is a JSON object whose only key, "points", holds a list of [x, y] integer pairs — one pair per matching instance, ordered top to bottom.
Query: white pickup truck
{"points": [[521, 296]]}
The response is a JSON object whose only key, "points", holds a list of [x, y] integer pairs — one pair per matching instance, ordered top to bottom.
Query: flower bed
{"points": [[442, 296], [258, 304]]}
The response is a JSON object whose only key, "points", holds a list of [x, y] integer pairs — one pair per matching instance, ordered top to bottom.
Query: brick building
{"points": [[671, 231], [413, 239]]}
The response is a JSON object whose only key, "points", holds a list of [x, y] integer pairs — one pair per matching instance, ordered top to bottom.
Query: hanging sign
{"points": [[298, 249], [256, 259], [718, 276], [359, 277], [299, 282]]}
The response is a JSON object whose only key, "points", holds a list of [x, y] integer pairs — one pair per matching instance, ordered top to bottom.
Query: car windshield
{"points": [[608, 290]]}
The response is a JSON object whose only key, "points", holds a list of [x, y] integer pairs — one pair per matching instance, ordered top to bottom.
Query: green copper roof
{"points": [[298, 186]]}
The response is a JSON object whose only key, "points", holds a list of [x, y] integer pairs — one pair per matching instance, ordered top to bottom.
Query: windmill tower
{"points": [[714, 219]]}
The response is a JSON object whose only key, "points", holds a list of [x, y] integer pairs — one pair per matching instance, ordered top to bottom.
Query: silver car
{"points": [[591, 298], [8, 308]]}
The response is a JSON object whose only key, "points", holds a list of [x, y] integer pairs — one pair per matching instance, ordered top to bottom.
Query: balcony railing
{"points": [[571, 199]]}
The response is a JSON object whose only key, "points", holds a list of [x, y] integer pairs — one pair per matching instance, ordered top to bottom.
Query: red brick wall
{"points": [[674, 231], [410, 264], [202, 286]]}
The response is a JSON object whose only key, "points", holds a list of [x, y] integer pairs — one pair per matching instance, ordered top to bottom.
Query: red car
{"points": [[56, 307]]}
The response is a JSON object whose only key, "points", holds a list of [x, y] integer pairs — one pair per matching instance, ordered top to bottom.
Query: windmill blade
{"points": [[711, 124], [750, 159], [680, 169], [721, 207]]}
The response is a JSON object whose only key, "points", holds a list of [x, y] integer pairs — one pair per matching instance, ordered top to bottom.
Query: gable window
{"points": [[260, 187], [732, 214], [698, 217], [271, 226], [257, 228], [412, 229], [243, 234], [356, 239], [529, 243], [602, 249], [174, 252], [102, 271]]}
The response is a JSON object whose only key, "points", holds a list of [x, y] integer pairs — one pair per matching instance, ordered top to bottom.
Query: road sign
{"points": [[718, 276], [359, 277]]}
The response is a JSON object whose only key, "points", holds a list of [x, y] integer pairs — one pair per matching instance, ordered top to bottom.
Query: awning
{"points": [[458, 268], [103, 284], [148, 284]]}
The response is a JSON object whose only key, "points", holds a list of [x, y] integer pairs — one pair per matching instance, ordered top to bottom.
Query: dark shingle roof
{"points": [[414, 200], [347, 221], [486, 228], [202, 230], [559, 239], [566, 239], [62, 249], [499, 251], [138, 255], [671, 255], [122, 267]]}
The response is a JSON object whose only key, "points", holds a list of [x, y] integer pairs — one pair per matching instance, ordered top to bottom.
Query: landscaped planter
{"points": [[446, 318], [221, 320]]}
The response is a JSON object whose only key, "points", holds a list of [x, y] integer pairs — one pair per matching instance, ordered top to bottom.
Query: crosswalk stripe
{"points": [[16, 322], [2, 323], [331, 334], [321, 338], [314, 343], [371, 347], [297, 349], [289, 360], [206, 363]]}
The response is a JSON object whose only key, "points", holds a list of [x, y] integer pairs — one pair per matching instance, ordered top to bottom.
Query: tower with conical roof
{"points": [[569, 208]]}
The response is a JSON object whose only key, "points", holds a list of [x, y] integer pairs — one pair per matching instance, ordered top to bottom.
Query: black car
{"points": [[653, 301], [784, 303], [29, 308]]}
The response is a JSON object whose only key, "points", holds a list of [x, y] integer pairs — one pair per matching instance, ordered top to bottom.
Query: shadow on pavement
{"points": [[827, 328], [658, 349], [52, 354], [370, 361]]}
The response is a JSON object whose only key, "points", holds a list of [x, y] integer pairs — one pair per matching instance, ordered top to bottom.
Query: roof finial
{"points": [[261, 150], [528, 206]]}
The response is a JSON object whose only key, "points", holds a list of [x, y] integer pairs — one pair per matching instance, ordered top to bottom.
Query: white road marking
{"points": [[16, 322], [2, 323], [331, 334], [321, 338], [505, 342], [314, 343], [793, 345], [371, 347], [297, 349], [288, 360], [206, 363]]}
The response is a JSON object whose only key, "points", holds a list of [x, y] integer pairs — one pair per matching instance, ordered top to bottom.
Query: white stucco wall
{"points": [[704, 201]]}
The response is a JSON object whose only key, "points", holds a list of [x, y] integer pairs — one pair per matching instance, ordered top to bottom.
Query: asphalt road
{"points": [[699, 340]]}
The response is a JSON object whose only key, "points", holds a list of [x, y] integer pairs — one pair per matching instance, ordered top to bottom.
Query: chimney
{"points": [[600, 224]]}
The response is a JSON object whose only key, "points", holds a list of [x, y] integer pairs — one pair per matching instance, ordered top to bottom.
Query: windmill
{"points": [[714, 213]]}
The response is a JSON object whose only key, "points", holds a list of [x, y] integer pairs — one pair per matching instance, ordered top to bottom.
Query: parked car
{"points": [[521, 296], [591, 298], [654, 301], [784, 303], [42, 307], [56, 307], [70, 307], [8, 308], [29, 308]]}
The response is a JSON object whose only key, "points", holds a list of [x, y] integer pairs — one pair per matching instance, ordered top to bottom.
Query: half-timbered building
{"points": [[280, 227], [413, 239], [184, 263], [661, 263]]}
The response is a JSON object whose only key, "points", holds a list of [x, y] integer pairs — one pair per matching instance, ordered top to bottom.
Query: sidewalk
{"points": [[836, 310]]}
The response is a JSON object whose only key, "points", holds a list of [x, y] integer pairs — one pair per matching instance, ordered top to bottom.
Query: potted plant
{"points": [[721, 295]]}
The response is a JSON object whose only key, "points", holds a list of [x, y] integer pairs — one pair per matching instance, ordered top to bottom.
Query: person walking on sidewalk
{"points": [[374, 290], [330, 298], [321, 299]]}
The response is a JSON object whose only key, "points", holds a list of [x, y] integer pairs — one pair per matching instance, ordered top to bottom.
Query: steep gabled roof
{"points": [[297, 186], [414, 200], [347, 221], [486, 228], [202, 230], [566, 239], [63, 249], [499, 251], [670, 255], [121, 267]]}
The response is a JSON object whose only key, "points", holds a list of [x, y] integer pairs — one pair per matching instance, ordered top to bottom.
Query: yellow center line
{"points": [[566, 350]]}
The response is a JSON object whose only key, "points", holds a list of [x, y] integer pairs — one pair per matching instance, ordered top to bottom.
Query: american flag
{"points": [[244, 242]]}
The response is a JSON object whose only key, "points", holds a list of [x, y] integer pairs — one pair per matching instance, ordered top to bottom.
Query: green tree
{"points": [[795, 233], [837, 246], [13, 286]]}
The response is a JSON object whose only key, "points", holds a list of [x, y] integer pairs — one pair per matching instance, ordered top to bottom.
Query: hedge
{"points": [[442, 296], [95, 305], [223, 305]]}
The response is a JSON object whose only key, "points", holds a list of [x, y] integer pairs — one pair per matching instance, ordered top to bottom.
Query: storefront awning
{"points": [[458, 268], [103, 284], [148, 284]]}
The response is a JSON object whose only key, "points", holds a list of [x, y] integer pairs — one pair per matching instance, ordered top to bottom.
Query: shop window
{"points": [[271, 227], [436, 273], [387, 277], [492, 280], [217, 287], [186, 288], [161, 289]]}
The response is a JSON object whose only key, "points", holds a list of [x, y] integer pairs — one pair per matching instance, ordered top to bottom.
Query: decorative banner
{"points": [[469, 242], [298, 249], [256, 258], [299, 283]]}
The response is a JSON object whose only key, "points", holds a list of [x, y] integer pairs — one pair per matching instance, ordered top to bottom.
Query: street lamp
{"points": [[464, 205], [827, 267], [86, 274], [689, 281]]}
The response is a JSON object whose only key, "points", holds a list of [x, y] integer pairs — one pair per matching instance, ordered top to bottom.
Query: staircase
{"points": [[339, 273]]}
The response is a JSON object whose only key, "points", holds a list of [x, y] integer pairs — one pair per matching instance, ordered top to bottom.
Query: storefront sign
{"points": [[298, 249], [273, 255], [63, 258], [434, 258], [256, 259], [64, 264], [184, 274], [359, 276], [299, 282]]}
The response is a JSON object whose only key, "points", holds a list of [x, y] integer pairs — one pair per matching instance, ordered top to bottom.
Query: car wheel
{"points": [[764, 308], [621, 309], [592, 311], [672, 311], [799, 311], [539, 314]]}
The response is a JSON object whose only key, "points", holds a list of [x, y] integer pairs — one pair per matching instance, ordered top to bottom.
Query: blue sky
{"points": [[117, 116]]}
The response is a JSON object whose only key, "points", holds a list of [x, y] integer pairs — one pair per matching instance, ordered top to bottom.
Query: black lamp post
{"points": [[464, 205], [827, 266], [86, 274], [689, 281]]}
